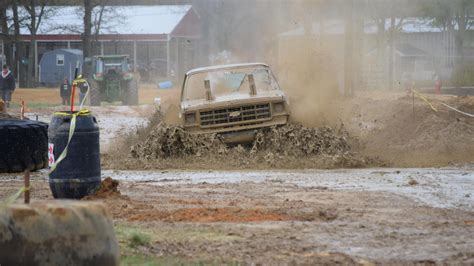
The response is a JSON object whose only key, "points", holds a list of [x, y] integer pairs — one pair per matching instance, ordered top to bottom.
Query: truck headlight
{"points": [[278, 107], [190, 118]]}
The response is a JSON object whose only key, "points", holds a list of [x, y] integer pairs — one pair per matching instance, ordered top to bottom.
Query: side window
{"points": [[60, 60]]}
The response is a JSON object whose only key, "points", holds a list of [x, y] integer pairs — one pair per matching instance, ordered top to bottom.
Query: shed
{"points": [[57, 64]]}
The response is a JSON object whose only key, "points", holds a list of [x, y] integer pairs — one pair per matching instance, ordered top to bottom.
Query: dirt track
{"points": [[387, 215], [313, 216]]}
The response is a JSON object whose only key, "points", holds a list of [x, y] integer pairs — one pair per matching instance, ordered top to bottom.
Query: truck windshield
{"points": [[228, 81]]}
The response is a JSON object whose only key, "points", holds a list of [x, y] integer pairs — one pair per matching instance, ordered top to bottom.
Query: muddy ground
{"points": [[193, 209], [400, 216]]}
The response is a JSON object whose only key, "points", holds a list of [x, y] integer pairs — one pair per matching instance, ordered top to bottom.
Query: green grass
{"points": [[126, 232], [132, 237], [139, 239], [136, 244], [171, 260]]}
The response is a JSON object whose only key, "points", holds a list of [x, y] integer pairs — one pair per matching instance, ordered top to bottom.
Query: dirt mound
{"points": [[420, 136], [108, 188]]}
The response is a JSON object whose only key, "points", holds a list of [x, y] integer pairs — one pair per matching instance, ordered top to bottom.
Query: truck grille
{"points": [[234, 115]]}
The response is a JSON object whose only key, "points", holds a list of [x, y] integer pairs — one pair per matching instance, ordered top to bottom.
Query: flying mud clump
{"points": [[297, 141]]}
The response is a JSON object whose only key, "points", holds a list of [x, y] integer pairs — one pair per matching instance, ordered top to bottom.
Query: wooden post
{"points": [[348, 49], [73, 92], [413, 96], [22, 110], [27, 186]]}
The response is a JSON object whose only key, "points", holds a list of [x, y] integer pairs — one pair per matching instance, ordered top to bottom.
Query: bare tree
{"points": [[36, 12], [455, 16], [98, 17], [389, 20], [9, 22], [5, 35]]}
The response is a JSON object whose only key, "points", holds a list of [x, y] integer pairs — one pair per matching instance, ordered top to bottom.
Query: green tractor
{"points": [[113, 81]]}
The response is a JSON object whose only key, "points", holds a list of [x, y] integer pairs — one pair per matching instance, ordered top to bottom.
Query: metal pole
{"points": [[168, 39], [348, 49], [134, 56], [36, 61], [27, 186]]}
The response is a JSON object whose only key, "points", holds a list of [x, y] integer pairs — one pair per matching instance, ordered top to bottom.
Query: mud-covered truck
{"points": [[112, 81], [233, 100]]}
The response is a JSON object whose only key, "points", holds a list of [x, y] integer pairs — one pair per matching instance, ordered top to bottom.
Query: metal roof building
{"points": [[149, 34]]}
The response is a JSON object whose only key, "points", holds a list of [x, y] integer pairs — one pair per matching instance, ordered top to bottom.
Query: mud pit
{"points": [[314, 216], [353, 216]]}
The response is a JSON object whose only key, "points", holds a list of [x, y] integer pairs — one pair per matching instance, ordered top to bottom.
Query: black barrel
{"points": [[78, 174]]}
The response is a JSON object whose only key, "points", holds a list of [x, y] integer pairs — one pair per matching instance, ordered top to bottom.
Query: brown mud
{"points": [[410, 133], [161, 145], [108, 189], [274, 223]]}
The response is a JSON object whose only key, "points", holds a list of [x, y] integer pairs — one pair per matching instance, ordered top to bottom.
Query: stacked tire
{"points": [[23, 145]]}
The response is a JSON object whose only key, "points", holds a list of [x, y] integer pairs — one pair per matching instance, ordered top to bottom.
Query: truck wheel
{"points": [[94, 93], [132, 93], [24, 145]]}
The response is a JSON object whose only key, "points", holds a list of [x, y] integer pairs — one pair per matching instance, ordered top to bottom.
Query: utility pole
{"points": [[391, 48]]}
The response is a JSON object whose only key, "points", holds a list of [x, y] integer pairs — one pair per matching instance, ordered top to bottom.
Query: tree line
{"points": [[31, 14]]}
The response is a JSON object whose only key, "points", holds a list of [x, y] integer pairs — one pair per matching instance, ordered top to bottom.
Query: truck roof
{"points": [[222, 67]]}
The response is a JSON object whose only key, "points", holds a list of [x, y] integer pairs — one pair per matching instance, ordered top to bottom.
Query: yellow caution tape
{"points": [[77, 81], [87, 93], [424, 99], [442, 103], [456, 110], [84, 112], [72, 128], [63, 154], [12, 198]]}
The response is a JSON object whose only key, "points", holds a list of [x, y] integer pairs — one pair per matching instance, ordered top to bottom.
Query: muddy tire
{"points": [[94, 93], [131, 96], [24, 145], [57, 233]]}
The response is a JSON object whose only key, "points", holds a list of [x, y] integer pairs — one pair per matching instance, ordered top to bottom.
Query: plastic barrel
{"points": [[78, 174]]}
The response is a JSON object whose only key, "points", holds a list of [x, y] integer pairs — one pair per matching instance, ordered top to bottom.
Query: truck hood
{"points": [[233, 99]]}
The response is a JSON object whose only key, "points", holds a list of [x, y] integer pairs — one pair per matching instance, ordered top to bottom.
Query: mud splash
{"points": [[289, 140], [323, 147]]}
